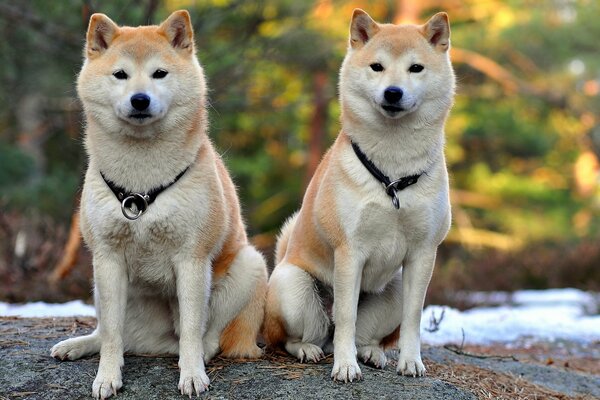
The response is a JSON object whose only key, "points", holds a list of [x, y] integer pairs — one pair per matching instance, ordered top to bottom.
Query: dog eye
{"points": [[376, 67], [416, 68], [120, 74], [159, 74]]}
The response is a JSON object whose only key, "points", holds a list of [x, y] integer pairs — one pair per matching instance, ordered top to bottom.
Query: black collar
{"points": [[391, 187], [134, 204]]}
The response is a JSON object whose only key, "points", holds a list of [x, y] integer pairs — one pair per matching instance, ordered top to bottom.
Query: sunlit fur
{"points": [[376, 261], [182, 279]]}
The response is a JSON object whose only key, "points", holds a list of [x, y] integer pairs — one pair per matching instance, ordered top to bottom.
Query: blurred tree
{"points": [[523, 139]]}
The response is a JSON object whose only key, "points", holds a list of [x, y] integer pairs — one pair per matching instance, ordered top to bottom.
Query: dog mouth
{"points": [[392, 109], [397, 110], [140, 116]]}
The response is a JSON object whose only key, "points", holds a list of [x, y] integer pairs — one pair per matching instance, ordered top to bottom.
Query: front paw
{"points": [[66, 350], [310, 352], [410, 366], [346, 371], [193, 382], [106, 385]]}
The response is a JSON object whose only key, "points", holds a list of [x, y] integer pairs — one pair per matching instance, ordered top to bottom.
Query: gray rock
{"points": [[27, 371]]}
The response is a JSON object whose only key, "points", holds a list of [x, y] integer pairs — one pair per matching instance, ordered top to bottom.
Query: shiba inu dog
{"points": [[357, 258], [173, 269]]}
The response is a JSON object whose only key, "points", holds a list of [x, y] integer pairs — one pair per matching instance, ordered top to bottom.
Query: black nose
{"points": [[393, 94], [140, 101]]}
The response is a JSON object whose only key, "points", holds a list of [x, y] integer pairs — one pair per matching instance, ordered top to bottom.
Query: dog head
{"points": [[392, 71], [144, 80]]}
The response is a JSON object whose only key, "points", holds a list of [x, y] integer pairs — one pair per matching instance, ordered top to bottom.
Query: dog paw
{"points": [[70, 349], [251, 352], [310, 352], [372, 355], [411, 366], [346, 371], [198, 383], [106, 385]]}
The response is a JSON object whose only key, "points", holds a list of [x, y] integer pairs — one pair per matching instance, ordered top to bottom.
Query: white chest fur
{"points": [[384, 235], [149, 245]]}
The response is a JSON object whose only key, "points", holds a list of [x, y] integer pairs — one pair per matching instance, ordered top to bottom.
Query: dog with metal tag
{"points": [[354, 263], [173, 270]]}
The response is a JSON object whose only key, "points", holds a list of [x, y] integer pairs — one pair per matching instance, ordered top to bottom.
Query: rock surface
{"points": [[28, 372]]}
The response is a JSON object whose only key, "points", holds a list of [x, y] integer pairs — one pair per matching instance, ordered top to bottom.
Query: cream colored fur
{"points": [[376, 260], [182, 279]]}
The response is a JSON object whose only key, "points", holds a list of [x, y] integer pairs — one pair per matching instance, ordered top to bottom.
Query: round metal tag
{"points": [[133, 206]]}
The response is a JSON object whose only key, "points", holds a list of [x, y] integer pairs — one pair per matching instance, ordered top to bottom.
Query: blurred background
{"points": [[523, 138]]}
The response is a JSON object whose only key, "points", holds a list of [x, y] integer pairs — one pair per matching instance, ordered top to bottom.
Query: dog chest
{"points": [[386, 235], [149, 248], [386, 252], [149, 271]]}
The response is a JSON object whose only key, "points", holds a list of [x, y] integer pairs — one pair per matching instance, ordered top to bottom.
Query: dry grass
{"points": [[487, 384]]}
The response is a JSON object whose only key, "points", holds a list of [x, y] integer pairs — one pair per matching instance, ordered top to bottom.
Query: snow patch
{"points": [[40, 309], [543, 314], [550, 315]]}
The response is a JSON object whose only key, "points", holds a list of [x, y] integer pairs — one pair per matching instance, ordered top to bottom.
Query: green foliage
{"points": [[516, 146], [15, 166], [52, 196]]}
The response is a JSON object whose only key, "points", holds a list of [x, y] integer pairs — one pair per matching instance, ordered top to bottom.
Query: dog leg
{"points": [[416, 275], [110, 278], [193, 290], [346, 290], [237, 307], [301, 310], [377, 318], [238, 340], [75, 348]]}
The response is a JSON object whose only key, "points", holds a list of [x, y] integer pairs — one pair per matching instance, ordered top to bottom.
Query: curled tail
{"points": [[284, 237]]}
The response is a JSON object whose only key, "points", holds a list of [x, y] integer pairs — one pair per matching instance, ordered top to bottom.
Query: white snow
{"points": [[41, 309], [543, 314], [552, 314]]}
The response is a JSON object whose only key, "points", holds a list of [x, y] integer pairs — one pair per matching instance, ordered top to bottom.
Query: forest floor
{"points": [[552, 370]]}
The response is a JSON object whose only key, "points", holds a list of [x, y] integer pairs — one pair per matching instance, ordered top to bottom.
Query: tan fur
{"points": [[347, 236], [182, 278], [273, 327], [235, 341]]}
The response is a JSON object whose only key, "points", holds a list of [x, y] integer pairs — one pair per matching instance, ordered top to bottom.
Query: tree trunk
{"points": [[318, 124]]}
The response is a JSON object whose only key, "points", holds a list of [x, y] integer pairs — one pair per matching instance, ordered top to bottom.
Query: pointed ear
{"points": [[362, 28], [178, 30], [437, 31], [100, 34]]}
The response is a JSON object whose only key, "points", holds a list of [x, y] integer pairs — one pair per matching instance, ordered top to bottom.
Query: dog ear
{"points": [[362, 28], [178, 31], [437, 31], [100, 34]]}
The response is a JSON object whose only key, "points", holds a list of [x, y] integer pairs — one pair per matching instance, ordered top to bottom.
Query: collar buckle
{"points": [[391, 187], [134, 205]]}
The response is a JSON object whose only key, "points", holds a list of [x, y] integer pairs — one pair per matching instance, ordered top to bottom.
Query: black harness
{"points": [[391, 187], [134, 204]]}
